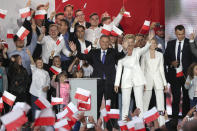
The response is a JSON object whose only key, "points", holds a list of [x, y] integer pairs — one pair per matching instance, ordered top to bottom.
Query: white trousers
{"points": [[126, 97], [159, 101]]}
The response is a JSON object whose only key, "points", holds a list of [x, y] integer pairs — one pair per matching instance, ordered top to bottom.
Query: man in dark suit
{"points": [[80, 41], [178, 57], [103, 62]]}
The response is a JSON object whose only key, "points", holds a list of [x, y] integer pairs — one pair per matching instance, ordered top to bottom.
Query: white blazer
{"points": [[153, 70], [132, 74]]}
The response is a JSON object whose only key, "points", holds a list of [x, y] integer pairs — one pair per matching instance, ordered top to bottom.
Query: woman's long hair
{"points": [[190, 71]]}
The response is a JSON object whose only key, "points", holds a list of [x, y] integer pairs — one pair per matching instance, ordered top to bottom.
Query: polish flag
{"points": [[25, 12], [3, 13], [40, 14], [126, 14], [146, 25], [106, 30], [116, 31], [22, 33], [10, 34], [59, 39], [5, 44], [87, 49], [55, 70], [179, 72], [82, 94], [8, 98], [56, 101], [42, 103], [1, 104], [108, 105], [22, 106], [84, 106], [72, 109], [62, 114], [104, 114], [113, 114], [151, 115], [45, 117], [14, 120], [73, 120], [62, 124], [139, 124], [123, 125], [131, 126]]}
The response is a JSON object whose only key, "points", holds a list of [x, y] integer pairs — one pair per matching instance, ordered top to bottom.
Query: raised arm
{"points": [[118, 18], [193, 44], [30, 57]]}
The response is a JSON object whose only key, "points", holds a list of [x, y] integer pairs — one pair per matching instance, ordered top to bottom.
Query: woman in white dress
{"points": [[153, 67], [132, 76]]}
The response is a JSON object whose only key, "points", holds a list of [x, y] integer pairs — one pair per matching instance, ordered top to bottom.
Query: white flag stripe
{"points": [[24, 10], [3, 11], [40, 12], [147, 23], [107, 27], [117, 30], [10, 31], [21, 31], [57, 69], [83, 92], [9, 96], [57, 99], [45, 102], [108, 102], [22, 106], [72, 107], [114, 111], [48, 112], [104, 112], [150, 112], [37, 114], [61, 114], [11, 116], [61, 123], [121, 123], [139, 123], [130, 124]]}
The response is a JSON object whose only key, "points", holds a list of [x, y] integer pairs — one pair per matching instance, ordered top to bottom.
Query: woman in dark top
{"points": [[18, 79]]}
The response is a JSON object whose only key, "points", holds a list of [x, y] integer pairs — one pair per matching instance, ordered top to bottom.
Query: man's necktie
{"points": [[179, 52], [103, 61]]}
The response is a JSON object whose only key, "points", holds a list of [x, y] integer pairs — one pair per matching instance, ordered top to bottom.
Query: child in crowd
{"points": [[87, 69], [78, 73], [40, 81], [191, 84], [64, 90]]}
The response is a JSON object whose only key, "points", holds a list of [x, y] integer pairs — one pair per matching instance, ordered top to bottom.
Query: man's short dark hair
{"points": [[69, 5], [77, 11], [59, 14], [93, 14], [104, 19], [65, 22], [79, 26], [179, 27], [104, 36], [15, 38], [38, 58]]}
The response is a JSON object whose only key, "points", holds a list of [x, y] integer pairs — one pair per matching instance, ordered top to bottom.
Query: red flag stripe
{"points": [[24, 15], [10, 36], [54, 71], [81, 97], [8, 101], [40, 104], [113, 116], [152, 117], [45, 121]]}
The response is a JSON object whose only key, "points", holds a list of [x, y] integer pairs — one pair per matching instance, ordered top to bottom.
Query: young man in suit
{"points": [[178, 57], [103, 61]]}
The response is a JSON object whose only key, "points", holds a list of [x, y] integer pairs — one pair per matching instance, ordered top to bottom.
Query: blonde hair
{"points": [[128, 36]]}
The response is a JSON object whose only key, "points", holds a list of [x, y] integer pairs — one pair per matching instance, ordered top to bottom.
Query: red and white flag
{"points": [[64, 1], [25, 12], [3, 13], [40, 14], [126, 14], [146, 25], [106, 30], [116, 31], [22, 33], [10, 34], [59, 39], [87, 50], [55, 70], [179, 72], [82, 94], [8, 98], [56, 101], [42, 103], [1, 104], [108, 105], [22, 106], [84, 106], [72, 109], [62, 114], [104, 114], [113, 114], [151, 115], [45, 117], [14, 119], [73, 120], [62, 124], [139, 124], [122, 125], [131, 126]]}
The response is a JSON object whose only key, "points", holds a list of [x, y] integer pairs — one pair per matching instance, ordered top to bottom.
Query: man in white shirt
{"points": [[50, 43]]}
